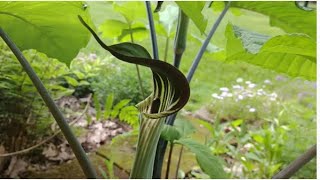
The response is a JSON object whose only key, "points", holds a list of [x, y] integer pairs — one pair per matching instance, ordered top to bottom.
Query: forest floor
{"points": [[110, 140], [56, 150]]}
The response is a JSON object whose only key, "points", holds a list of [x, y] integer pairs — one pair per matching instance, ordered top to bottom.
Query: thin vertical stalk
{"points": [[152, 31], [131, 34], [180, 38], [206, 42], [166, 49], [137, 67], [140, 81], [72, 140], [162, 145], [169, 160], [179, 161], [292, 168]]}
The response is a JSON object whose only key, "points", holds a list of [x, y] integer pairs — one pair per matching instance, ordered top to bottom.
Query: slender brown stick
{"points": [[169, 160], [179, 161], [297, 164]]}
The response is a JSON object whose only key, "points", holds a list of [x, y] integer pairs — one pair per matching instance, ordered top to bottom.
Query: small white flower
{"points": [[92, 56], [239, 80], [267, 81], [248, 82], [251, 85], [237, 87], [225, 89], [260, 92], [223, 94], [226, 94], [215, 95], [250, 95], [275, 95], [240, 97], [273, 99], [252, 110], [248, 146], [243, 158]]}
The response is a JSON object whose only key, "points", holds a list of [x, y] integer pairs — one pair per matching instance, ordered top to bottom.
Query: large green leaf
{"points": [[218, 6], [193, 10], [131, 11], [284, 15], [49, 27], [112, 28], [138, 30], [251, 41], [234, 44], [292, 44], [293, 54], [291, 64], [181, 129], [170, 133], [210, 164]]}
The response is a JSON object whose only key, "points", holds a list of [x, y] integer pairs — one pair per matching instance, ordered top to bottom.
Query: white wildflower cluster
{"points": [[92, 56], [245, 90]]}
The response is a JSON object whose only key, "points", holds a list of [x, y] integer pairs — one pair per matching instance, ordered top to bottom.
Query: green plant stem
{"points": [[152, 31], [131, 34], [180, 38], [166, 49], [198, 57], [137, 67], [140, 81], [58, 116], [162, 145], [169, 160], [179, 161], [115, 164], [292, 168]]}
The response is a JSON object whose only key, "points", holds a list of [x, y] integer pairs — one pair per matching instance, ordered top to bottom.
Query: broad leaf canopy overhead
{"points": [[49, 27]]}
